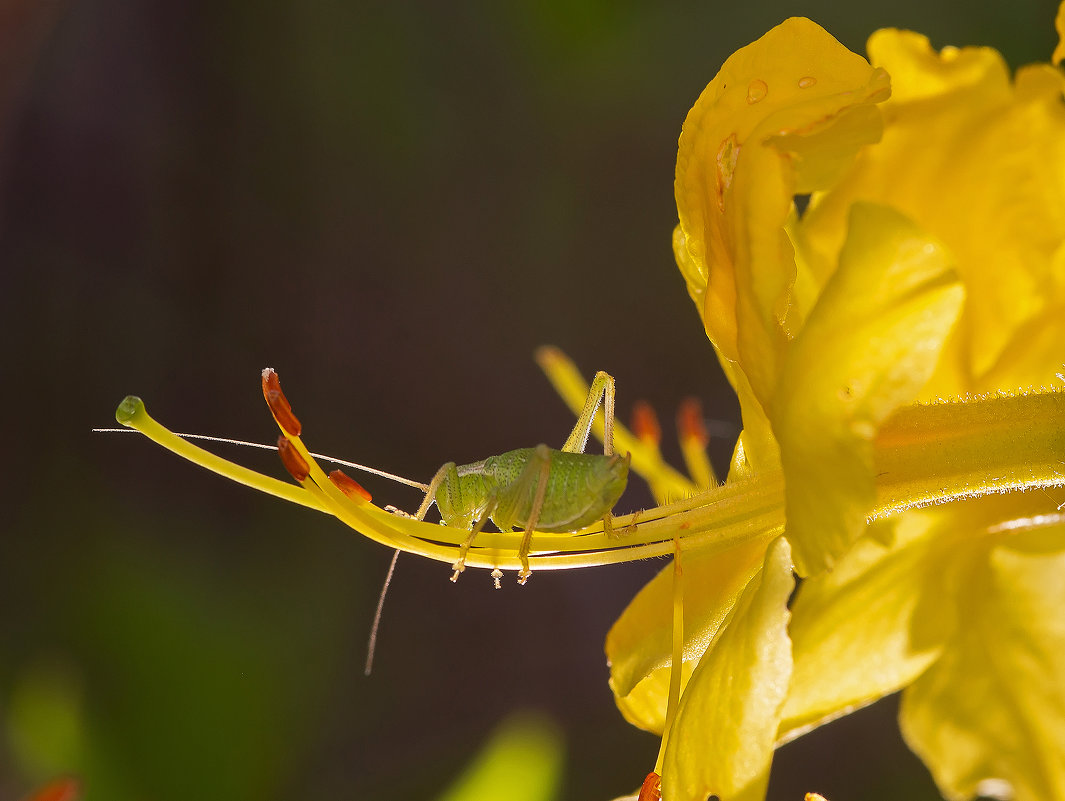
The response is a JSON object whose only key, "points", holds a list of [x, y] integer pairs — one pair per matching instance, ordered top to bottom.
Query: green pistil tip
{"points": [[130, 407]]}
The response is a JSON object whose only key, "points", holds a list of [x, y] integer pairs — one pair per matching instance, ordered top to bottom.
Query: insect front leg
{"points": [[448, 472], [446, 490], [460, 563]]}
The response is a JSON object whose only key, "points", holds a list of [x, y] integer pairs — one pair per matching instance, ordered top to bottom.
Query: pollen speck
{"points": [[807, 82], [756, 90]]}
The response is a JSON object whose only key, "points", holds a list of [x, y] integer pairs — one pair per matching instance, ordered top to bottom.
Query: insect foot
{"points": [[631, 528], [458, 567]]}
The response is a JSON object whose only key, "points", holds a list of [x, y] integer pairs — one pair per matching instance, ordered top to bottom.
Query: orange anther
{"points": [[278, 403], [645, 422], [690, 423], [292, 460], [349, 486], [652, 788], [58, 790]]}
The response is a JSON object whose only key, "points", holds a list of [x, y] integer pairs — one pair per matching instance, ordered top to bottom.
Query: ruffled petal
{"points": [[785, 114], [978, 161], [868, 346], [867, 629], [639, 645], [989, 717], [722, 740]]}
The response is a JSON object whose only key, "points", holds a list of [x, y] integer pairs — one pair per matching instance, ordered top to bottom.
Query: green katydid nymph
{"points": [[537, 488], [541, 488], [528, 489], [553, 491]]}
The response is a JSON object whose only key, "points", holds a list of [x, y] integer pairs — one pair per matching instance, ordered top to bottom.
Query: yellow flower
{"points": [[929, 265], [897, 352]]}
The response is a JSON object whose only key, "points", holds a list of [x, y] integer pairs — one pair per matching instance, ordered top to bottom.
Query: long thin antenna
{"points": [[333, 459], [372, 645]]}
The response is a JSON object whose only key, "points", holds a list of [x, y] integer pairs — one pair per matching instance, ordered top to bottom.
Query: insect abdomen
{"points": [[581, 488]]}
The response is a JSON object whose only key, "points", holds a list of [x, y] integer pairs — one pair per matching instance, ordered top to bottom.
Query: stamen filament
{"points": [[131, 413], [694, 438], [262, 446], [925, 454], [676, 668]]}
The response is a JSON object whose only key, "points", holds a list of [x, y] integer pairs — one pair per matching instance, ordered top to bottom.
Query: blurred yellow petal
{"points": [[1059, 23], [784, 115], [978, 161], [868, 346], [639, 645], [990, 714], [722, 740], [522, 760]]}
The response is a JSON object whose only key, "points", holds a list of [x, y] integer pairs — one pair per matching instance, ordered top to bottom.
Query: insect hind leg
{"points": [[602, 389], [508, 514], [615, 534]]}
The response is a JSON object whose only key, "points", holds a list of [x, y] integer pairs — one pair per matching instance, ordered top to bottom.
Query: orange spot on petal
{"points": [[279, 405], [645, 422], [292, 460], [349, 486]]}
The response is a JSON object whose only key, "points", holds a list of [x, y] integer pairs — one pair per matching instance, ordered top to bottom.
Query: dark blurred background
{"points": [[392, 204]]}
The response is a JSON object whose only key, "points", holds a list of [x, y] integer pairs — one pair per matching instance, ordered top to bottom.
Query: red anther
{"points": [[278, 403], [690, 421], [645, 422], [292, 460], [349, 486], [652, 788], [58, 790]]}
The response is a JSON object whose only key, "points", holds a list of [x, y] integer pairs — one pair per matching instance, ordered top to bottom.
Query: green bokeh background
{"points": [[392, 204]]}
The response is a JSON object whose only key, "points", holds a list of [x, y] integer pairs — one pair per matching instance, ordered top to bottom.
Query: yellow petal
{"points": [[1059, 23], [784, 115], [979, 163], [868, 347], [866, 629], [639, 645], [991, 714], [722, 739]]}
